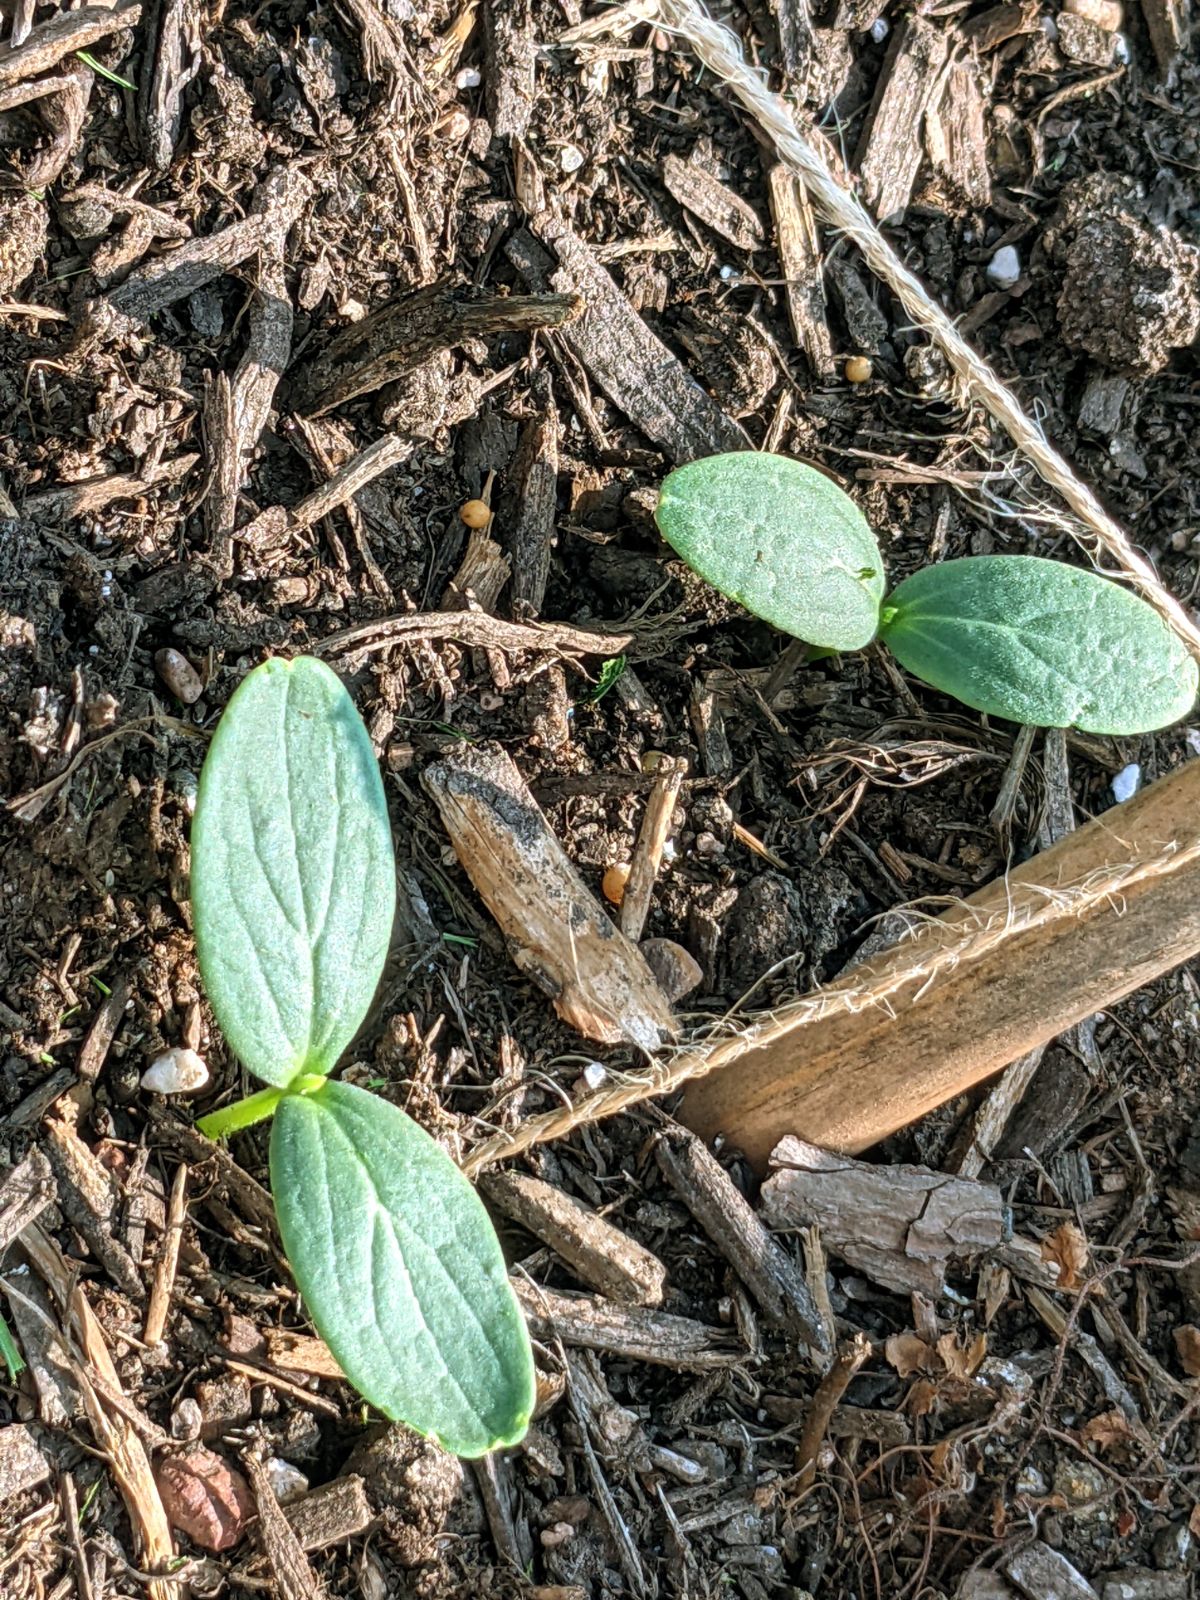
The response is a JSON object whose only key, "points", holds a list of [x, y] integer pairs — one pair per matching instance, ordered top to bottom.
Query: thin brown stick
{"points": [[719, 50], [651, 840], [1091, 876], [168, 1260], [824, 1403]]}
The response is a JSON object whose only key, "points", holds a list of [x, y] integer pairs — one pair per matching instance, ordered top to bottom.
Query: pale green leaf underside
{"points": [[781, 539], [1039, 642], [293, 883], [400, 1269]]}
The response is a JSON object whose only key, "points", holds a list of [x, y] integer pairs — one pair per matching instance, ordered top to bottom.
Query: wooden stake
{"points": [[1107, 909]]}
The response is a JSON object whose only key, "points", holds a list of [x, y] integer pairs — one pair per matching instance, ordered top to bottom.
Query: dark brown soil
{"points": [[407, 184]]}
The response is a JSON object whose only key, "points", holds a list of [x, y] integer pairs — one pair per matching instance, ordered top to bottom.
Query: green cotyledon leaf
{"points": [[781, 539], [1042, 643], [292, 881], [400, 1269]]}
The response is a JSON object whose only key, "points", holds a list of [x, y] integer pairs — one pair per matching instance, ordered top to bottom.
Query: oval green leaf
{"points": [[782, 540], [1042, 643], [293, 883], [400, 1269]]}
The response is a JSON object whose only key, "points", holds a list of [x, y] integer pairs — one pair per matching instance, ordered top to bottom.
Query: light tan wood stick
{"points": [[1107, 909]]}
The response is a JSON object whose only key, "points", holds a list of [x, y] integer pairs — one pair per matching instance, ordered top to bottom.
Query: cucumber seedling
{"points": [[1019, 637], [293, 894]]}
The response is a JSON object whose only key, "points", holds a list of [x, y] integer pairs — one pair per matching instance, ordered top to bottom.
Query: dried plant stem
{"points": [[719, 50]]}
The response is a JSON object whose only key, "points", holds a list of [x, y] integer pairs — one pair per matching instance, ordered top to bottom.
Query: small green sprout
{"points": [[1019, 637], [610, 675], [293, 896]]}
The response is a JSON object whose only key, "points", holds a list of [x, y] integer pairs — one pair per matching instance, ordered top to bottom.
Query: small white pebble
{"points": [[1049, 27], [880, 29], [1121, 52], [468, 78], [571, 158], [1005, 267], [725, 273], [108, 575], [105, 590], [93, 649], [1192, 736], [1125, 784], [669, 850], [177, 1071], [594, 1074], [186, 1420], [287, 1482]]}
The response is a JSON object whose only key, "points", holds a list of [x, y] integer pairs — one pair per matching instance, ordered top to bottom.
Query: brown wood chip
{"points": [[61, 35], [889, 153], [707, 197], [633, 367], [557, 933], [901, 1225], [22, 1464]]}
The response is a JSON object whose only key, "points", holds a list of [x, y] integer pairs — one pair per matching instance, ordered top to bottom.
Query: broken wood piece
{"points": [[1167, 23], [60, 36], [176, 61], [509, 79], [65, 112], [956, 134], [889, 153], [278, 201], [719, 208], [800, 258], [401, 336], [633, 367], [241, 406], [327, 447], [69, 500], [529, 505], [274, 528], [481, 576], [473, 628], [651, 842], [1065, 934], [597, 978], [93, 1052], [25, 1192], [90, 1198], [901, 1225], [601, 1255], [761, 1262], [159, 1303], [632, 1332], [301, 1353], [46, 1356], [830, 1390], [117, 1437], [330, 1514], [294, 1576]]}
